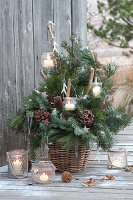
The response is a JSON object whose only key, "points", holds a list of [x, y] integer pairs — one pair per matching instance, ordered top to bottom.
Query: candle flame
{"points": [[68, 102], [17, 162]]}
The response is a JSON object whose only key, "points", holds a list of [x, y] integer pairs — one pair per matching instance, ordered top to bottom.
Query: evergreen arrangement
{"points": [[117, 22], [42, 114]]}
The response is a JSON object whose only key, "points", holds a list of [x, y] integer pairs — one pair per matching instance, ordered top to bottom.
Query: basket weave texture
{"points": [[66, 160]]}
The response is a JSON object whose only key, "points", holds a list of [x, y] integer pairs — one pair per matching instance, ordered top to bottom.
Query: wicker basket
{"points": [[66, 160]]}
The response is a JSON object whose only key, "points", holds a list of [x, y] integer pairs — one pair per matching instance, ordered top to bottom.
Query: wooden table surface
{"points": [[122, 188]]}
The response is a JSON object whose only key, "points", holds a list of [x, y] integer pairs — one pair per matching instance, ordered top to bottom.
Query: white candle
{"points": [[49, 62], [96, 90], [69, 106], [116, 163], [17, 167], [44, 177]]}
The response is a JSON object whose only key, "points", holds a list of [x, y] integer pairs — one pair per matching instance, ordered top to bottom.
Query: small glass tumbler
{"points": [[70, 103], [117, 158], [17, 163], [43, 172]]}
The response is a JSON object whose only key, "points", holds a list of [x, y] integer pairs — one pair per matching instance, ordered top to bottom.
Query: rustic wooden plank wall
{"points": [[42, 13], [78, 20], [23, 39]]}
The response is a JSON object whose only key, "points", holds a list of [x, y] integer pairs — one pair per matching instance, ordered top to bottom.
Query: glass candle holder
{"points": [[47, 60], [96, 88], [70, 103], [117, 159], [17, 163], [43, 172]]}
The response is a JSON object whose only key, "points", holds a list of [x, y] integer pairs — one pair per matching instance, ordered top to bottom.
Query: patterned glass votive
{"points": [[47, 60], [70, 103], [117, 159], [17, 163], [43, 172]]}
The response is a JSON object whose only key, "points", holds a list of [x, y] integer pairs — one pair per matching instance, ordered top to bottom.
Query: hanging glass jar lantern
{"points": [[47, 60], [96, 87], [70, 103], [117, 158], [17, 163], [43, 172]]}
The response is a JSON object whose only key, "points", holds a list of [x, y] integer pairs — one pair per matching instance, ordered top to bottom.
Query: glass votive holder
{"points": [[47, 60], [96, 88], [70, 103], [117, 158], [17, 163], [43, 172]]}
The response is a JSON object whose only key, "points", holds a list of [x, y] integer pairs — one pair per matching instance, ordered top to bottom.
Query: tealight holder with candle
{"points": [[47, 60], [96, 88], [70, 103], [117, 158], [17, 163], [43, 172]]}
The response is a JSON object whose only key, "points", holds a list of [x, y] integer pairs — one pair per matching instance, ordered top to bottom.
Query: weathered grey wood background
{"points": [[23, 39]]}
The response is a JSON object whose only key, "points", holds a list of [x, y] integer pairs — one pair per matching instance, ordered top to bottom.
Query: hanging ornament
{"points": [[47, 60], [96, 87], [64, 89], [87, 118]]}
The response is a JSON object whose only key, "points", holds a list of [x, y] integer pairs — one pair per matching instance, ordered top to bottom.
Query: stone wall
{"points": [[105, 52]]}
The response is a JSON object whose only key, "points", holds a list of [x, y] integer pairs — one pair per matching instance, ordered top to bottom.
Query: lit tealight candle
{"points": [[49, 62], [96, 87], [96, 90], [69, 106], [116, 163], [17, 166], [44, 177]]}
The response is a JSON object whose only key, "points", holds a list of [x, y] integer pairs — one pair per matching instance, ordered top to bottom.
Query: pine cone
{"points": [[50, 98], [58, 102], [41, 115], [65, 115], [87, 118], [66, 177]]}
